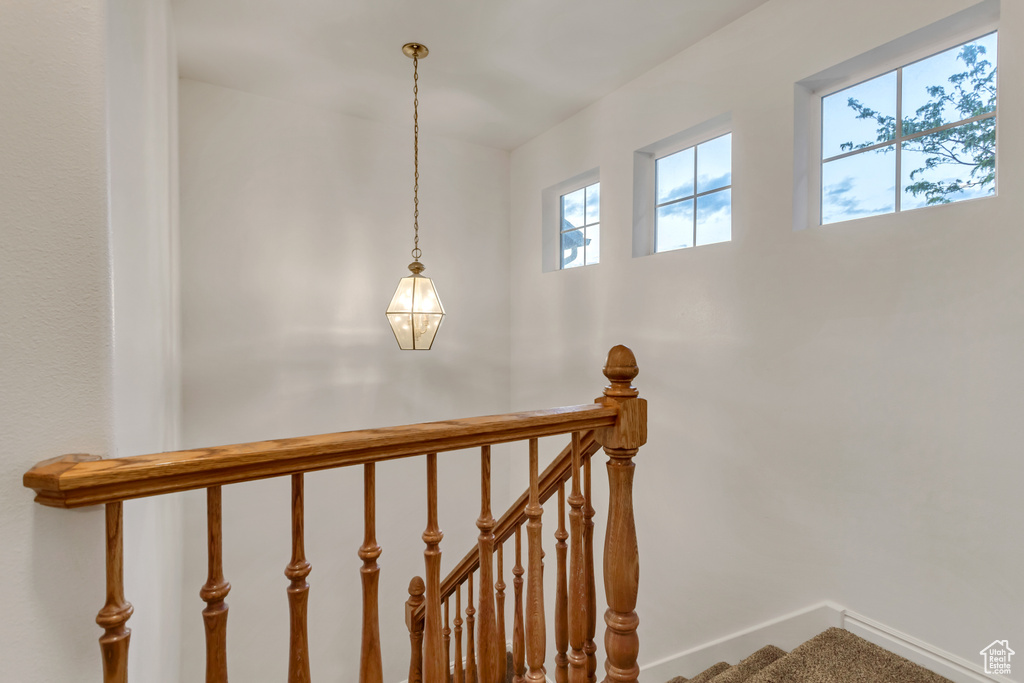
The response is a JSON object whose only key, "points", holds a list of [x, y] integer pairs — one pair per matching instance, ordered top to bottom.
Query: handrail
{"points": [[557, 472], [79, 480]]}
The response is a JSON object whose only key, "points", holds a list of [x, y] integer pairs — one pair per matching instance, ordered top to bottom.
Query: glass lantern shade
{"points": [[415, 313]]}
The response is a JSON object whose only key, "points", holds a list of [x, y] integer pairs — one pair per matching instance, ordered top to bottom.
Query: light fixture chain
{"points": [[416, 253]]}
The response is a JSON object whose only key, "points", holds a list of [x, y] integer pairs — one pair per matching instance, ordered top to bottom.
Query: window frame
{"points": [[963, 27], [897, 141], [645, 189], [691, 197], [551, 219], [578, 228]]}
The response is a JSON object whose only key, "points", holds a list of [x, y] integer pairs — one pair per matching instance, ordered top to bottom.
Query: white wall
{"points": [[142, 80], [86, 215], [296, 225], [55, 329], [834, 411]]}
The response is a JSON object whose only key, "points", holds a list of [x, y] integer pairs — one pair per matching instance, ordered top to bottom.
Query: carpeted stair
{"points": [[834, 656]]}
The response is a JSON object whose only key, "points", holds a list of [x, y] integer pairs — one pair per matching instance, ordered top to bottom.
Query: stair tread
{"points": [[838, 656], [750, 666], [709, 673]]}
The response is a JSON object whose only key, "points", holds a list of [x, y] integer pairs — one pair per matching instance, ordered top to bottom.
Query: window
{"points": [[920, 135], [682, 189], [693, 196], [580, 226]]}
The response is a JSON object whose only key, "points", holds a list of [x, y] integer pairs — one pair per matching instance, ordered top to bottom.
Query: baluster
{"points": [[621, 556], [577, 582], [298, 592], [561, 594], [499, 599], [116, 611], [215, 616], [415, 627], [446, 632], [518, 635], [536, 635], [432, 643], [470, 646], [589, 646], [370, 669], [489, 672], [458, 678]]}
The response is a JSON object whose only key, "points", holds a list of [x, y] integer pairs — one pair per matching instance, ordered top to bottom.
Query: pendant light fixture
{"points": [[415, 312]]}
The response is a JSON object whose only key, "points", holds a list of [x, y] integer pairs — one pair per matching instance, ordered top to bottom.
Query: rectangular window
{"points": [[920, 135], [693, 196], [580, 226]]}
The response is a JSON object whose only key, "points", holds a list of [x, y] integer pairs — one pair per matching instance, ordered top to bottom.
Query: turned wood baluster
{"points": [[621, 556], [577, 569], [298, 592], [561, 594], [499, 603], [116, 611], [215, 616], [415, 626], [487, 628], [446, 632], [518, 632], [536, 635], [470, 644], [589, 646], [370, 669], [433, 671], [458, 676]]}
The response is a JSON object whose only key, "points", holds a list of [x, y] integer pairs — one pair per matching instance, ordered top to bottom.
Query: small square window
{"points": [[920, 135], [693, 196], [580, 227]]}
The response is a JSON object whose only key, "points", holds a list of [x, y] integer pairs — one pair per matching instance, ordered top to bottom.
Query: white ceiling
{"points": [[499, 72]]}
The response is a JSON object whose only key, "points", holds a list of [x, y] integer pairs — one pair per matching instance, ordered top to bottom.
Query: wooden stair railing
{"points": [[617, 421], [551, 481], [575, 621]]}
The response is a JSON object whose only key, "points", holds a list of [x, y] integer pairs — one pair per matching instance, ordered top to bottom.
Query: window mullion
{"points": [[899, 139], [695, 148]]}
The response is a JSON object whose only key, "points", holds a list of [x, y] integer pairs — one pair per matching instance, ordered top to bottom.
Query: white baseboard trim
{"points": [[792, 629], [786, 632], [941, 662]]}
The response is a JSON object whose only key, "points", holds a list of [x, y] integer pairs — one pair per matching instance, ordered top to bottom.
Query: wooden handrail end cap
{"points": [[44, 477]]}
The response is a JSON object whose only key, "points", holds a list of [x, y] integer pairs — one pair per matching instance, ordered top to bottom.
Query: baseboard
{"points": [[792, 629], [786, 632], [941, 662]]}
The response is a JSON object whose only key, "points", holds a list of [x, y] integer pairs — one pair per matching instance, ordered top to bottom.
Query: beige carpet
{"points": [[835, 656]]}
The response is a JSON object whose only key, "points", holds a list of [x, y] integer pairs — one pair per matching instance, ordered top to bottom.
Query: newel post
{"points": [[621, 556], [415, 626]]}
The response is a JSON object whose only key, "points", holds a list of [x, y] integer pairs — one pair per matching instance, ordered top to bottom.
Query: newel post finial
{"points": [[620, 369], [621, 442]]}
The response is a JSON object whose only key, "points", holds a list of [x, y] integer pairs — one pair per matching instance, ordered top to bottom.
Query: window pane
{"points": [[957, 84], [859, 116], [714, 164], [954, 164], [674, 175], [859, 185], [593, 203], [572, 210], [714, 217], [674, 226], [593, 247], [572, 248]]}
